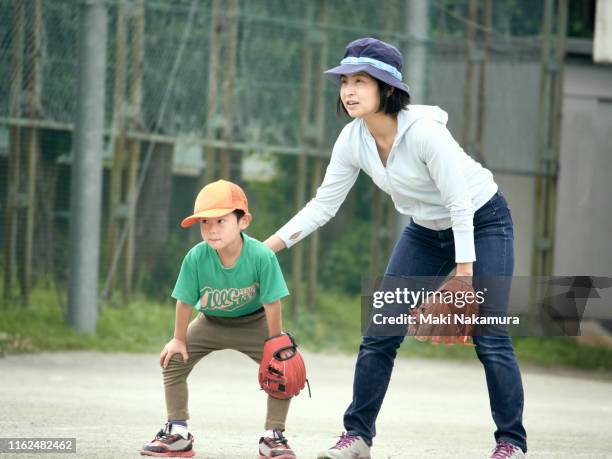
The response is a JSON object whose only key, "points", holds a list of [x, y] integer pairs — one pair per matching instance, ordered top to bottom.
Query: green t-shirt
{"points": [[254, 280]]}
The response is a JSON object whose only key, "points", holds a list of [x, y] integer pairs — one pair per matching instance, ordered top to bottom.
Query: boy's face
{"points": [[219, 232]]}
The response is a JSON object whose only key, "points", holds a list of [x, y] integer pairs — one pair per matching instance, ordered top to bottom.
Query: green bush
{"points": [[344, 265], [332, 325]]}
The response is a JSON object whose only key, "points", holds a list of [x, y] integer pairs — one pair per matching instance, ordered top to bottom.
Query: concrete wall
{"points": [[583, 242]]}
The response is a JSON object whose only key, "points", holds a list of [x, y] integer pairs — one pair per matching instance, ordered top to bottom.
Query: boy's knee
{"points": [[175, 365]]}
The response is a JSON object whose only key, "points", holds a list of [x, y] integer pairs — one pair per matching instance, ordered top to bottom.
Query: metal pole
{"points": [[417, 52], [415, 63], [469, 75], [482, 84], [229, 85], [213, 86], [34, 89], [551, 102], [117, 140], [133, 146], [552, 165], [86, 192], [379, 202], [11, 215], [385, 234], [539, 242], [297, 252], [313, 260]]}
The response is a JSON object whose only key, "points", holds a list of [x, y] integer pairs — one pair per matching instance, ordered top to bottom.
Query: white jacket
{"points": [[428, 176]]}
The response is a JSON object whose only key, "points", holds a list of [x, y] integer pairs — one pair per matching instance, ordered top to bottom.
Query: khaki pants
{"points": [[207, 334]]}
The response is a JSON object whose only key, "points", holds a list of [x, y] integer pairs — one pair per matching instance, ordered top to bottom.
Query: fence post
{"points": [[229, 85], [213, 86], [117, 140], [133, 145], [86, 174], [10, 225]]}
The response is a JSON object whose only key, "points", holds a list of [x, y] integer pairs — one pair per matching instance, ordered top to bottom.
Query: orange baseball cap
{"points": [[217, 199]]}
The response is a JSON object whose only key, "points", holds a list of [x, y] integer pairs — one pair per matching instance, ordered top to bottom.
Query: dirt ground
{"points": [[113, 403]]}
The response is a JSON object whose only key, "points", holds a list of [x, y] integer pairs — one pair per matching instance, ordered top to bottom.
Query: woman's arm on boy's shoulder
{"points": [[340, 176], [275, 243], [178, 344]]}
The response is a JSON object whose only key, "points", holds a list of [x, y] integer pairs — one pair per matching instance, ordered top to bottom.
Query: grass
{"points": [[332, 326]]}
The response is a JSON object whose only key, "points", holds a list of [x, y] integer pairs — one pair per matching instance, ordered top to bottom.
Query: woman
{"points": [[460, 220]]}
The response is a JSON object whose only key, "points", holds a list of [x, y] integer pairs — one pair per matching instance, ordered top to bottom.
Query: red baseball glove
{"points": [[282, 377]]}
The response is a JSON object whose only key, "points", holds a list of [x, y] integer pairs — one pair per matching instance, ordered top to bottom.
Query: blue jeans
{"points": [[424, 252]]}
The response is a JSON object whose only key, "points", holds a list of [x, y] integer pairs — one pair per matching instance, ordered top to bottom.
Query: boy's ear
{"points": [[245, 221]]}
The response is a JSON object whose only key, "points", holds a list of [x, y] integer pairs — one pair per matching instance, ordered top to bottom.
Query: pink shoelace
{"points": [[345, 440], [503, 450]]}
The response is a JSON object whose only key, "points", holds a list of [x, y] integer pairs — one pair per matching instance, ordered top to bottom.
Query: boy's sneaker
{"points": [[167, 444], [275, 447], [347, 447], [505, 450]]}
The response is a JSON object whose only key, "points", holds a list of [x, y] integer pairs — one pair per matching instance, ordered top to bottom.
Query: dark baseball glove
{"points": [[446, 316]]}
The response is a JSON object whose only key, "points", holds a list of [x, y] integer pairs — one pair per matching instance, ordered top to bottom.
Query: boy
{"points": [[236, 284]]}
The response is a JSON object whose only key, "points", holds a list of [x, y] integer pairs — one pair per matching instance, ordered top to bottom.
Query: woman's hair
{"points": [[390, 105]]}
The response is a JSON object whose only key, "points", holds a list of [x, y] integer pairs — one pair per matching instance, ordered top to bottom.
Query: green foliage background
{"points": [[333, 325]]}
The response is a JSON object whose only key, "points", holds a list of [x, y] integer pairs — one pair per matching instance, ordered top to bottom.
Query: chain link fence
{"points": [[240, 96]]}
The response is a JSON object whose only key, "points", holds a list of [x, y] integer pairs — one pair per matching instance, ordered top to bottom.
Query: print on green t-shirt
{"points": [[254, 280]]}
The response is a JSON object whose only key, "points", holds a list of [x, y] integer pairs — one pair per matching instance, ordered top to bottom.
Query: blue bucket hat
{"points": [[375, 57]]}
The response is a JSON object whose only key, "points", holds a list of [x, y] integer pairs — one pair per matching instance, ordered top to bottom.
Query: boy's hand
{"points": [[174, 346], [286, 354]]}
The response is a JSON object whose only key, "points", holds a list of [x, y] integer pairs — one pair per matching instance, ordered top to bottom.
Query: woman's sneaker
{"points": [[167, 444], [276, 446], [347, 447], [505, 450]]}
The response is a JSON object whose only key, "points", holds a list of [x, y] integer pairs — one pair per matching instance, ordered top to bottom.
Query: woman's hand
{"points": [[275, 243], [465, 272], [174, 346]]}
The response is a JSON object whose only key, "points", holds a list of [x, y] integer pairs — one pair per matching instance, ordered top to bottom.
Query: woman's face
{"points": [[360, 94]]}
